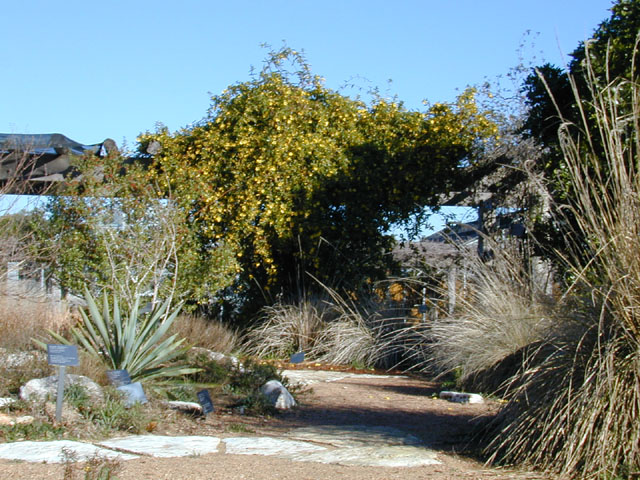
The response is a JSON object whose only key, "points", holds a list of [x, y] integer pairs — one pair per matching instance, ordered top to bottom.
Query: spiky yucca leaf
{"points": [[134, 341]]}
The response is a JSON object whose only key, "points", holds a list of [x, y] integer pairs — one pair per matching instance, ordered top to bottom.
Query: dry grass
{"points": [[503, 311], [23, 318], [285, 329], [331, 330], [202, 332], [575, 410]]}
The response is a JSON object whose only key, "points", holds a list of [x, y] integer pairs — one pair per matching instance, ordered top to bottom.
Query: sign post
{"points": [[62, 356]]}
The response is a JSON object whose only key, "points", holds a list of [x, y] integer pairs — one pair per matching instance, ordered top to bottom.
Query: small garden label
{"points": [[62, 355], [297, 358], [133, 393], [205, 401]]}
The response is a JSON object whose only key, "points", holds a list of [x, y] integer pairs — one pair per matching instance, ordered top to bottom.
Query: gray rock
{"points": [[19, 359], [309, 377], [39, 389], [132, 393], [278, 395], [458, 397], [4, 401], [186, 407], [348, 436], [268, 446], [165, 447], [54, 452], [378, 456]]}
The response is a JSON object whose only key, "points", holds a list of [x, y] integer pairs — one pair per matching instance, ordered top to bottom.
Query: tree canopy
{"points": [[552, 94], [296, 177]]}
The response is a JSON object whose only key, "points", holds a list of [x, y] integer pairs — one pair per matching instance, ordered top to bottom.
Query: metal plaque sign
{"points": [[62, 355], [297, 358], [117, 378], [133, 393], [205, 401]]}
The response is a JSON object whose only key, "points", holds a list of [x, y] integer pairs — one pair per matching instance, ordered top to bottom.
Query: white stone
{"points": [[18, 359], [309, 377], [39, 389], [132, 393], [278, 395], [459, 397], [4, 401], [187, 407], [346, 436], [161, 446], [268, 446], [52, 452], [378, 456]]}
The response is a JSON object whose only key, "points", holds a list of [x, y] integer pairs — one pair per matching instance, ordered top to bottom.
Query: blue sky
{"points": [[92, 70]]}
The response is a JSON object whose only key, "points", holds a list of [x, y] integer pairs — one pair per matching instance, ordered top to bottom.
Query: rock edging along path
{"points": [[361, 445]]}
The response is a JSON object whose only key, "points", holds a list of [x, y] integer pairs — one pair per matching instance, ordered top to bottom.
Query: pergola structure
{"points": [[35, 162]]}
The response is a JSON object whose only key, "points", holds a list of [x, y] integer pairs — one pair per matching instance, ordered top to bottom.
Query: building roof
{"points": [[43, 158]]}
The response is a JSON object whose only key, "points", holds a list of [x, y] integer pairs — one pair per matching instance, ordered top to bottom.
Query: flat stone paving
{"points": [[360, 445], [164, 446], [57, 451]]}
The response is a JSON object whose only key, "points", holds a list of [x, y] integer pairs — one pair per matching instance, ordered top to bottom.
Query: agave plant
{"points": [[134, 341]]}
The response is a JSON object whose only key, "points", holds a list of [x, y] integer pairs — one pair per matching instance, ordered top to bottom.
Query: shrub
{"points": [[332, 330], [112, 414]]}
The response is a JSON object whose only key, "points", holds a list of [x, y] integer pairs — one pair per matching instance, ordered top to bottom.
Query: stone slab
{"points": [[309, 377], [346, 436], [165, 446], [268, 446], [52, 452], [378, 456]]}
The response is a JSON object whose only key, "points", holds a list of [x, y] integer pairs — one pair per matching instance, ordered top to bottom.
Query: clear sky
{"points": [[113, 69], [92, 70]]}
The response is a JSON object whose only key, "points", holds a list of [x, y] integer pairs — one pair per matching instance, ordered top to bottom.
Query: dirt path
{"points": [[404, 403]]}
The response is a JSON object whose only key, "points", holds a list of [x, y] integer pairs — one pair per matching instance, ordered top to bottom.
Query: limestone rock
{"points": [[19, 359], [40, 389], [278, 395], [461, 397], [6, 401], [186, 407], [69, 414], [5, 419], [10, 420]]}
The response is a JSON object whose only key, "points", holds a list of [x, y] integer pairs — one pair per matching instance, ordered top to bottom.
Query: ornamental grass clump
{"points": [[503, 310], [284, 329], [332, 329], [135, 341], [575, 410]]}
